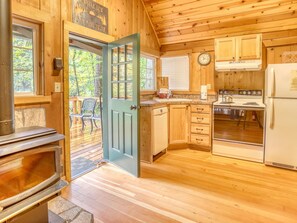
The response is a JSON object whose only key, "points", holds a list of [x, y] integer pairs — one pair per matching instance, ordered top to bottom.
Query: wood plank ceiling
{"points": [[177, 21]]}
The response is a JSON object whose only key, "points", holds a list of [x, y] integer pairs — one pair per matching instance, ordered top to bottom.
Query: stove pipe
{"points": [[6, 75]]}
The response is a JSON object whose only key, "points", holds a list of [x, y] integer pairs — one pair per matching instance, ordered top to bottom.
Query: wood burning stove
{"points": [[29, 169]]}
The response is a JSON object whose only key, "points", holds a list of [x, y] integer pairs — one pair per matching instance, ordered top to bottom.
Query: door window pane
{"points": [[129, 50], [122, 53], [115, 55], [129, 71], [122, 72], [114, 73], [115, 90], [129, 90], [122, 91]]}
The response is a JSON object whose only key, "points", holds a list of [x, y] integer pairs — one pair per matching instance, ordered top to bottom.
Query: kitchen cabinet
{"points": [[248, 47], [225, 49], [178, 124], [200, 125]]}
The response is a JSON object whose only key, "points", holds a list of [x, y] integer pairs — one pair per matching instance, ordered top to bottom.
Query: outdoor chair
{"points": [[87, 112], [96, 116]]}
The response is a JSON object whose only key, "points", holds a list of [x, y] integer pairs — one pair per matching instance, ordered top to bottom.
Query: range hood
{"points": [[243, 65]]}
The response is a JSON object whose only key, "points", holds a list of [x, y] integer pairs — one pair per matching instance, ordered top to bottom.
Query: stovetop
{"points": [[241, 98]]}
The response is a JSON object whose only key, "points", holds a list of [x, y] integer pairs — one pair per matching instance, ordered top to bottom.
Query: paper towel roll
{"points": [[203, 92]]}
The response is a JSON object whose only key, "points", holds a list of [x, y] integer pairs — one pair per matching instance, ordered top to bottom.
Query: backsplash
{"points": [[189, 96], [193, 96]]}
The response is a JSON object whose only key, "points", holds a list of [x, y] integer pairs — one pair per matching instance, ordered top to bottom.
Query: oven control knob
{"points": [[244, 92], [249, 92]]}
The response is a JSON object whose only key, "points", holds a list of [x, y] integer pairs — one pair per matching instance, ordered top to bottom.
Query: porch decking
{"points": [[85, 146]]}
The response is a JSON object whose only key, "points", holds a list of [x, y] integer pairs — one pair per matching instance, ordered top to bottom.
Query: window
{"points": [[26, 58], [177, 71], [147, 73]]}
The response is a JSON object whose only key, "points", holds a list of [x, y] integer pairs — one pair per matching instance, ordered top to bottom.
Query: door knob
{"points": [[134, 107]]}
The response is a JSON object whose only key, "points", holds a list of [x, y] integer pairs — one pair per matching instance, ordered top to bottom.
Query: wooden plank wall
{"points": [[125, 18], [274, 44]]}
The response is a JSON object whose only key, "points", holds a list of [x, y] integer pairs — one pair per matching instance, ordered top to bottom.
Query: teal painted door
{"points": [[123, 103]]}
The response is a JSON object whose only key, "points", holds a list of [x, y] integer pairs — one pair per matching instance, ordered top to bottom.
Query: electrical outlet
{"points": [[208, 86], [57, 87]]}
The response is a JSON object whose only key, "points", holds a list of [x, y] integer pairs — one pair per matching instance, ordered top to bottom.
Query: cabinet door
{"points": [[249, 47], [225, 49], [178, 124]]}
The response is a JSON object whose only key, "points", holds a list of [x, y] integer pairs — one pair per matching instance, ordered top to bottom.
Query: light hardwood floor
{"points": [[189, 186]]}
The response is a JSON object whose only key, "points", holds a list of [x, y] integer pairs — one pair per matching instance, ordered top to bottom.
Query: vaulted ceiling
{"points": [[177, 21]]}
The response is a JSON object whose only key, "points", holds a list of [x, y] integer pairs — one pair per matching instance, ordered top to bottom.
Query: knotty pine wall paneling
{"points": [[47, 14], [125, 18], [274, 44], [274, 54], [201, 75]]}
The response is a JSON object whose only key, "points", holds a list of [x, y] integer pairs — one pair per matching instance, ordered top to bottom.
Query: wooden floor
{"points": [[85, 143], [189, 186]]}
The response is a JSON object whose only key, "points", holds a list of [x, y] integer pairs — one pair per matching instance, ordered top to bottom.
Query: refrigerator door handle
{"points": [[272, 87], [271, 115]]}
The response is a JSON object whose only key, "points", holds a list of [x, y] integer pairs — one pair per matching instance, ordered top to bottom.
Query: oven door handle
{"points": [[271, 115]]}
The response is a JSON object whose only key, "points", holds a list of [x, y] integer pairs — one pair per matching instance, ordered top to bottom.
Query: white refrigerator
{"points": [[281, 115]]}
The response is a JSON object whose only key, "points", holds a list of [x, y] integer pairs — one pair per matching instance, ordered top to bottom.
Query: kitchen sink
{"points": [[172, 99]]}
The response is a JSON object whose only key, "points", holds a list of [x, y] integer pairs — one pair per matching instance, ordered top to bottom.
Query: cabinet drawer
{"points": [[200, 108], [200, 118], [200, 129], [202, 140]]}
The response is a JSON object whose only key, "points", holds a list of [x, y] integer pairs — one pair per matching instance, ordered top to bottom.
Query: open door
{"points": [[121, 118]]}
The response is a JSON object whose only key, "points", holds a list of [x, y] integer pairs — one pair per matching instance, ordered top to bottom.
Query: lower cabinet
{"points": [[178, 124], [201, 125], [189, 127], [153, 131]]}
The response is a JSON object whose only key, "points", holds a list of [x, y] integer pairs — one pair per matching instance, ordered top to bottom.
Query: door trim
{"points": [[71, 28]]}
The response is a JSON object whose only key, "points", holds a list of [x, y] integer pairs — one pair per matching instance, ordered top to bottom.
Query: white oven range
{"points": [[238, 124]]}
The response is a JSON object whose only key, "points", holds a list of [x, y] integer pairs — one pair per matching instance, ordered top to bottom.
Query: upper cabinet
{"points": [[249, 47], [239, 48], [225, 49]]}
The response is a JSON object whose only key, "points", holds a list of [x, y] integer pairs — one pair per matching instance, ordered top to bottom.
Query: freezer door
{"points": [[281, 80], [281, 132]]}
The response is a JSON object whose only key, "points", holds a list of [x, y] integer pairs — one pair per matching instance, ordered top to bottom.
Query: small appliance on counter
{"points": [[203, 92], [164, 93]]}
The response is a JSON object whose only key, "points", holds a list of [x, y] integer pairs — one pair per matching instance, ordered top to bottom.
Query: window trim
{"points": [[37, 56], [155, 73]]}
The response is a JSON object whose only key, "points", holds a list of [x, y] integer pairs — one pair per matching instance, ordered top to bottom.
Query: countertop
{"points": [[152, 103]]}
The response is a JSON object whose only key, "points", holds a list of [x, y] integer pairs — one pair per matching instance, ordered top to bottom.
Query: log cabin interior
{"points": [[148, 110]]}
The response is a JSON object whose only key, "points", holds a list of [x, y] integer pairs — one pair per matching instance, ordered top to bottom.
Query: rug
{"points": [[81, 165], [69, 211]]}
